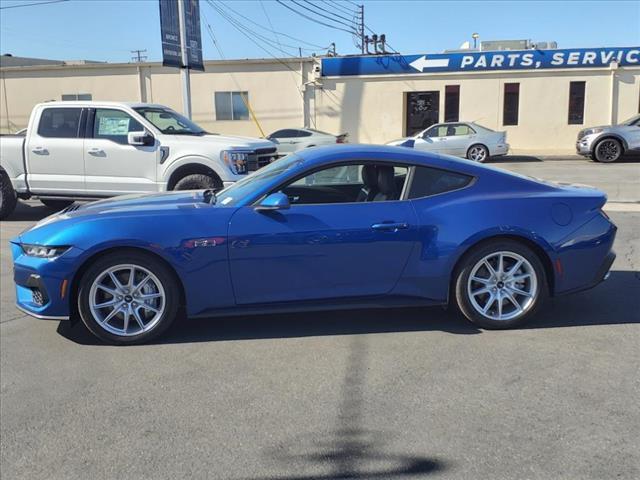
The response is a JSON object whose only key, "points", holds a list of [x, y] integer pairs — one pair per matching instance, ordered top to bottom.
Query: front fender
{"points": [[171, 166]]}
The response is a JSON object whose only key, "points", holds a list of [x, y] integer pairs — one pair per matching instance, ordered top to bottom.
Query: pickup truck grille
{"points": [[261, 157]]}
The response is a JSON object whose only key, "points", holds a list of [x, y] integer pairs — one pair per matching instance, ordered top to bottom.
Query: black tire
{"points": [[608, 150], [478, 157], [198, 181], [8, 198], [56, 205], [162, 273], [461, 299]]}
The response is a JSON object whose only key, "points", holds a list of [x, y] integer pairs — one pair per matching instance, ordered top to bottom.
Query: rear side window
{"points": [[60, 123], [431, 181]]}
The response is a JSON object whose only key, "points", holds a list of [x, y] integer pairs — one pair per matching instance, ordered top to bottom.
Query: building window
{"points": [[76, 96], [511, 102], [452, 103], [576, 103], [232, 105]]}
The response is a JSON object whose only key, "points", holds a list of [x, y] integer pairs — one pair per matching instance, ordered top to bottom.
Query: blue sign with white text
{"points": [[479, 61]]}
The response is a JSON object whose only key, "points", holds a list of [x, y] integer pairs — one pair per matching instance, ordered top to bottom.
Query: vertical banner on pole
{"points": [[170, 33], [194, 38]]}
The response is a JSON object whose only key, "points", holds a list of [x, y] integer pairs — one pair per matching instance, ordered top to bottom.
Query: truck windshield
{"points": [[170, 122]]}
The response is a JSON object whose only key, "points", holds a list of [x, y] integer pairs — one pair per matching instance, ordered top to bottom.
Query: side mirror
{"points": [[140, 139], [275, 201]]}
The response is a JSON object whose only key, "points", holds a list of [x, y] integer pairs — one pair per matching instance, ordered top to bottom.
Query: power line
{"points": [[311, 4], [20, 5], [339, 7], [312, 19], [348, 25], [244, 29], [272, 30]]}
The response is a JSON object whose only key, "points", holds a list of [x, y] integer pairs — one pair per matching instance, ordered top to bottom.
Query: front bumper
{"points": [[584, 144], [42, 285]]}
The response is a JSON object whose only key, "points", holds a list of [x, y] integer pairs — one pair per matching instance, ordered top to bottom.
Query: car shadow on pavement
{"points": [[514, 159], [29, 212], [613, 302]]}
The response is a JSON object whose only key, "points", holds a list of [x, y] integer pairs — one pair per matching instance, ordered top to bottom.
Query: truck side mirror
{"points": [[140, 139]]}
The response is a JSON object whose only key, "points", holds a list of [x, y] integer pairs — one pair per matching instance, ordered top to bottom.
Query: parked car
{"points": [[292, 139], [462, 139], [608, 143], [79, 150], [412, 229]]}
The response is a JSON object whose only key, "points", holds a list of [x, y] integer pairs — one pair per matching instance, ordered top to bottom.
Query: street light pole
{"points": [[184, 71]]}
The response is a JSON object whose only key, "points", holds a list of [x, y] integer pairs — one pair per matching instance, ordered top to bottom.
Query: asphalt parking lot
{"points": [[389, 394]]}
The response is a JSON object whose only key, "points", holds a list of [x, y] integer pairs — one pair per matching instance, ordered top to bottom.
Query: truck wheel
{"points": [[198, 181], [8, 198], [56, 204]]}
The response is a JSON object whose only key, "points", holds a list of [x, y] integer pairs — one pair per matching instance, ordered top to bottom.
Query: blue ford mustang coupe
{"points": [[331, 227]]}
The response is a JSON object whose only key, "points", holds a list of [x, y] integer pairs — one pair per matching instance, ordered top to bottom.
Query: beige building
{"points": [[548, 107]]}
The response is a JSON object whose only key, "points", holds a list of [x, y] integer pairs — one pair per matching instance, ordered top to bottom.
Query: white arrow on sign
{"points": [[421, 63]]}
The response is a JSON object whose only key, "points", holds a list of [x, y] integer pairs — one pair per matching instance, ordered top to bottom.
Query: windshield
{"points": [[631, 121], [170, 122], [232, 195]]}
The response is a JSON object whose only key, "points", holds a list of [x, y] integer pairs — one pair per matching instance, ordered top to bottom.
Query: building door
{"points": [[423, 110]]}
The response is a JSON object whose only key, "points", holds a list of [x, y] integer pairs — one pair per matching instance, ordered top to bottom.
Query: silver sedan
{"points": [[291, 139], [463, 139]]}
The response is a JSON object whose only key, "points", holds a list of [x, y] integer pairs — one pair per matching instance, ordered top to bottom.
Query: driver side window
{"points": [[114, 125], [436, 131], [352, 183]]}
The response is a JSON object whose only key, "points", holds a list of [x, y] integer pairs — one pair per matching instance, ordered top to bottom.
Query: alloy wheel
{"points": [[608, 150], [477, 153], [502, 286], [127, 300]]}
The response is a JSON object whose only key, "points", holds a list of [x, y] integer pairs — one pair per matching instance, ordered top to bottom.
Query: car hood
{"points": [[226, 141], [142, 205]]}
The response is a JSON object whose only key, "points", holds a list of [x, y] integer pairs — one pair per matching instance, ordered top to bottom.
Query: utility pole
{"points": [[137, 55], [184, 70]]}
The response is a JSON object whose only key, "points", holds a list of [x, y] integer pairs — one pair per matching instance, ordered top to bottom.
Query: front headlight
{"points": [[593, 131], [236, 161], [43, 251]]}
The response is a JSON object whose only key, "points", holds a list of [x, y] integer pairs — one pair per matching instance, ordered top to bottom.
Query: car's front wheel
{"points": [[608, 150], [478, 153], [500, 284], [128, 298]]}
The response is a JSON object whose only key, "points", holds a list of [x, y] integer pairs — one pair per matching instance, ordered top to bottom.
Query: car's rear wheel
{"points": [[608, 150], [478, 153], [8, 198], [56, 204], [500, 284], [128, 298]]}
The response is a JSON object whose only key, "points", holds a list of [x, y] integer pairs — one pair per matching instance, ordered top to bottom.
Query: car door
{"points": [[459, 137], [432, 139], [284, 140], [54, 151], [112, 166], [315, 251]]}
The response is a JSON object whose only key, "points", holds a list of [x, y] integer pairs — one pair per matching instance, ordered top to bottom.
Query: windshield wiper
{"points": [[209, 196]]}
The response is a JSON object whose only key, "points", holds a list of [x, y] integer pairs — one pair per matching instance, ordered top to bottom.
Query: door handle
{"points": [[40, 151], [96, 151], [389, 227]]}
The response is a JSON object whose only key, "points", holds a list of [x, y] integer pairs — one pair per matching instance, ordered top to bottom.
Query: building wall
{"points": [[370, 109], [373, 110]]}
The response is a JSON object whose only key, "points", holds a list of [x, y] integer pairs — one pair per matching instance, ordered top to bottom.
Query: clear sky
{"points": [[108, 29]]}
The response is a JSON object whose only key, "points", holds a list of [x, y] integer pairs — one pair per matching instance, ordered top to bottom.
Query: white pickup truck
{"points": [[86, 150]]}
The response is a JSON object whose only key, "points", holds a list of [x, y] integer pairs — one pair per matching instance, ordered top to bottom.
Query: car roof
{"points": [[96, 103], [349, 152]]}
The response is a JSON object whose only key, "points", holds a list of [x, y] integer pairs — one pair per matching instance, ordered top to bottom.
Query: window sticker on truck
{"points": [[113, 126]]}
